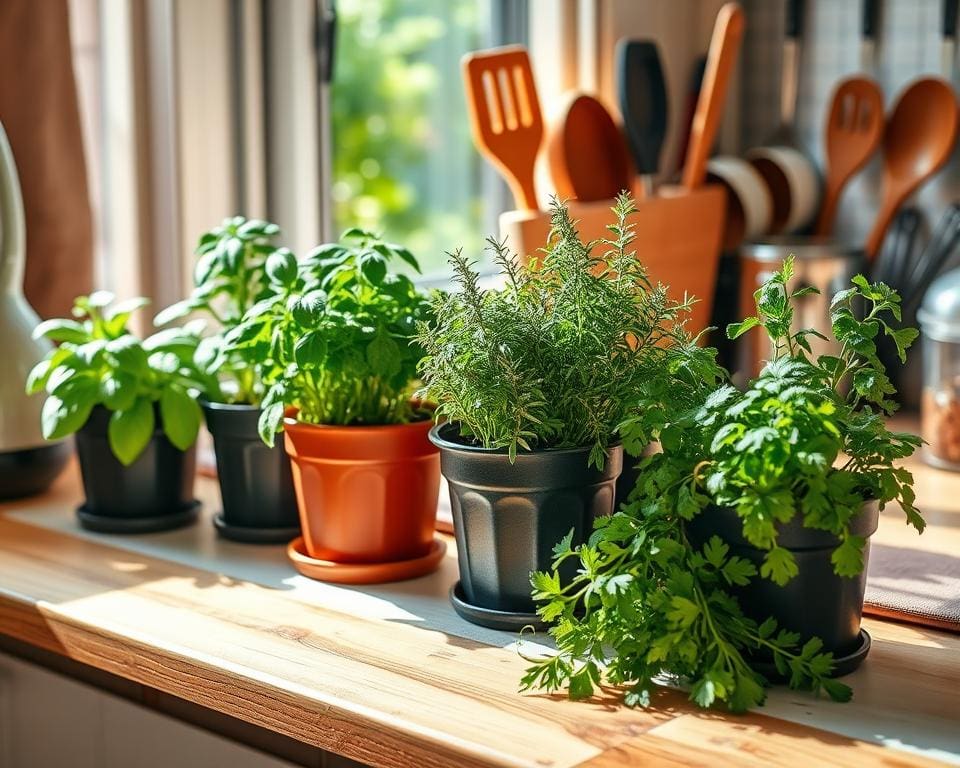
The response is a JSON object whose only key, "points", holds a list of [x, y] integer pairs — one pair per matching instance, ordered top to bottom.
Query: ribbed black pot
{"points": [[256, 484], [154, 493], [508, 517], [816, 602]]}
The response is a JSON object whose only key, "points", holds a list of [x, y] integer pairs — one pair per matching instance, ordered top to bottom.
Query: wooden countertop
{"points": [[390, 676]]}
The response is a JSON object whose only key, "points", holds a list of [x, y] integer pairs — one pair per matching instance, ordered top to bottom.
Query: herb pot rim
{"points": [[215, 405], [290, 420], [443, 443]]}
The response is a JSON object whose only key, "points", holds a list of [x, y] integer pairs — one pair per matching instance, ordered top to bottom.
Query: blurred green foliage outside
{"points": [[404, 163]]}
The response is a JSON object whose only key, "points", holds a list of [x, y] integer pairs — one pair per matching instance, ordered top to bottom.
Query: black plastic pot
{"points": [[256, 484], [155, 493], [508, 517], [816, 602]]}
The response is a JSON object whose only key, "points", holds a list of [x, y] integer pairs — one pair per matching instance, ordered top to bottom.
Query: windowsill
{"points": [[378, 671]]}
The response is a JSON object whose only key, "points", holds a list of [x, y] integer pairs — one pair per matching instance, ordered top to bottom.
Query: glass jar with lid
{"points": [[939, 318]]}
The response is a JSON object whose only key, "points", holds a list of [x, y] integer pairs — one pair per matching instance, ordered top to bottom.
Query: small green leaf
{"points": [[282, 267], [373, 267], [100, 299], [61, 330], [735, 330], [129, 354], [383, 354], [118, 391], [180, 416], [59, 418], [271, 419], [130, 430], [847, 559], [779, 566], [683, 611], [581, 684], [836, 690]]}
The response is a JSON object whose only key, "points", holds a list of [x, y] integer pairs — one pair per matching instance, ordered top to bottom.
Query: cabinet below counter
{"points": [[388, 675]]}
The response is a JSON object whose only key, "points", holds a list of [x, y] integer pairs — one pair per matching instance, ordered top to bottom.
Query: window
{"points": [[219, 108], [403, 161]]}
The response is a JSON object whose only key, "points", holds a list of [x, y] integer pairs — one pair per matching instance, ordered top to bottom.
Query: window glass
{"points": [[403, 160]]}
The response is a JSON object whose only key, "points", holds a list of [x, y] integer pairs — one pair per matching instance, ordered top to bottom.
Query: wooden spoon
{"points": [[724, 46], [505, 117], [853, 132], [917, 141], [587, 153]]}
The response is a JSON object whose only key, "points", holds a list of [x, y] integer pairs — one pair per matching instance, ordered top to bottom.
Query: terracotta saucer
{"points": [[364, 573]]}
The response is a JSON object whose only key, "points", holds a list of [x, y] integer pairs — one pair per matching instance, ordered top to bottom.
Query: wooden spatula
{"points": [[724, 47], [505, 117], [853, 132], [917, 140], [588, 156]]}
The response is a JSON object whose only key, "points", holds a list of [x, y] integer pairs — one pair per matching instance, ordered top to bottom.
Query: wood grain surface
{"points": [[389, 692]]}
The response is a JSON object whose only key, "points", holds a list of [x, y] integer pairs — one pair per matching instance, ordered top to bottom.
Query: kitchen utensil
{"points": [[870, 23], [948, 44], [724, 46], [790, 74], [642, 94], [689, 110], [505, 117], [852, 134], [917, 140], [586, 151], [790, 174], [793, 183], [749, 206], [908, 224], [677, 236], [937, 253], [820, 263], [880, 269], [28, 463]]}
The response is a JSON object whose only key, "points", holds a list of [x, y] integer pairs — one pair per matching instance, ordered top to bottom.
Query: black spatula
{"points": [[643, 104]]}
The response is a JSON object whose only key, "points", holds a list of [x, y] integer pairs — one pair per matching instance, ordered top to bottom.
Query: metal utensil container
{"points": [[818, 262], [939, 318]]}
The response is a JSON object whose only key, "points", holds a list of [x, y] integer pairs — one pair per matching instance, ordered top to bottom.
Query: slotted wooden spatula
{"points": [[505, 117], [852, 134]]}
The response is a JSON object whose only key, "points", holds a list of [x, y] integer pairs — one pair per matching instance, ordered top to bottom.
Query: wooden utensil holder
{"points": [[677, 236]]}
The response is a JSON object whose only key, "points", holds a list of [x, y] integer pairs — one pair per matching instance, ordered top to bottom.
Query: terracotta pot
{"points": [[365, 494]]}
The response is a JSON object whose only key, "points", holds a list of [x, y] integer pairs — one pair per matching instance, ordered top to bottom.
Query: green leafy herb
{"points": [[238, 266], [334, 337], [573, 347], [100, 363], [808, 437]]}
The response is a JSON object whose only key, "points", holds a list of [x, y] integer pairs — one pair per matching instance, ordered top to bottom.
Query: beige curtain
{"points": [[38, 108]]}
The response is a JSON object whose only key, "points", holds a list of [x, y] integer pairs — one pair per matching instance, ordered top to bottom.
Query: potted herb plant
{"points": [[236, 271], [335, 341], [534, 381], [130, 404], [741, 556]]}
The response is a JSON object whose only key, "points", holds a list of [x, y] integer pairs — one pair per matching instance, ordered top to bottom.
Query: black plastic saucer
{"points": [[165, 522], [248, 535], [490, 617], [842, 665]]}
